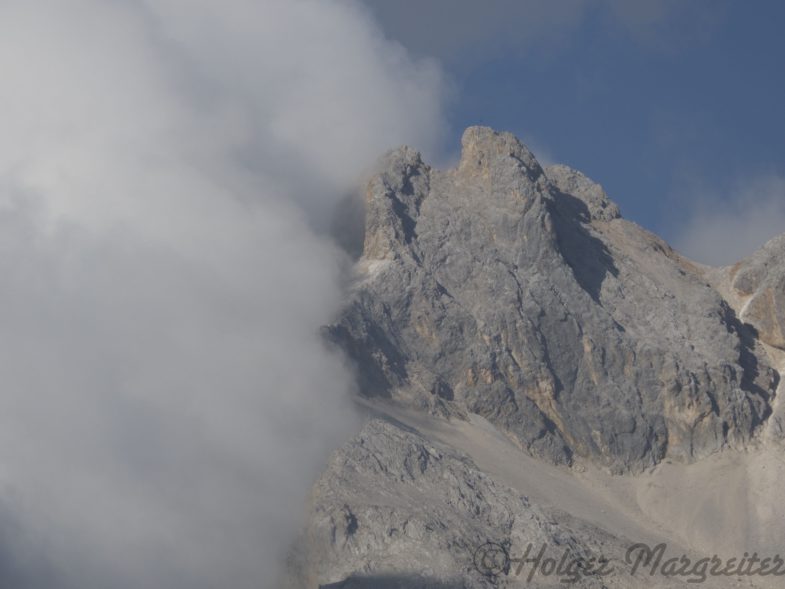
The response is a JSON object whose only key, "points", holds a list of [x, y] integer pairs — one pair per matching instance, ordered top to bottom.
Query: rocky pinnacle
{"points": [[519, 293]]}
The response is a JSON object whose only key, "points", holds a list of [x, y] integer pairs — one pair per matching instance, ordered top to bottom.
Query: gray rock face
{"points": [[760, 282], [756, 288], [519, 294], [394, 509]]}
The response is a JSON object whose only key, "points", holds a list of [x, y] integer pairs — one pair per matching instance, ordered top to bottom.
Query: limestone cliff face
{"points": [[760, 282], [755, 287], [519, 293], [516, 301], [396, 510]]}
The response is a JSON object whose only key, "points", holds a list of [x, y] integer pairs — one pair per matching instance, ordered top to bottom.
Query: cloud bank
{"points": [[722, 234], [165, 399]]}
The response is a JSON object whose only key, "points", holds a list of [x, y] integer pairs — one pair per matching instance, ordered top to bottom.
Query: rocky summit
{"points": [[520, 294], [514, 299]]}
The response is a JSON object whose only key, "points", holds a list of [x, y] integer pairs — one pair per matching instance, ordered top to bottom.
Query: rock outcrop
{"points": [[760, 282], [755, 287], [519, 294], [394, 509]]}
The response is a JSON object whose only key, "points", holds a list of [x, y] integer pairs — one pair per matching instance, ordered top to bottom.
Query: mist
{"points": [[164, 169], [723, 230]]}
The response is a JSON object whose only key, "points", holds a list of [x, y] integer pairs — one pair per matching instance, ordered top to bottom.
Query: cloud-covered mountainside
{"points": [[167, 173]]}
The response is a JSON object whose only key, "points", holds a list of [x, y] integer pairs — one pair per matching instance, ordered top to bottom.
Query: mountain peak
{"points": [[483, 148], [518, 294], [516, 302]]}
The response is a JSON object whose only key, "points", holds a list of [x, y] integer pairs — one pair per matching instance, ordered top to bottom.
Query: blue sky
{"points": [[677, 108]]}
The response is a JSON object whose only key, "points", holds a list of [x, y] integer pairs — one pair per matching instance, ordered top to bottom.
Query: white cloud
{"points": [[721, 231], [165, 398]]}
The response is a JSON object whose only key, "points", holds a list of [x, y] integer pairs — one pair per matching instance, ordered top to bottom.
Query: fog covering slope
{"points": [[165, 399]]}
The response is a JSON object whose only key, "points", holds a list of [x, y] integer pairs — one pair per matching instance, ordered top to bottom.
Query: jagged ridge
{"points": [[520, 294]]}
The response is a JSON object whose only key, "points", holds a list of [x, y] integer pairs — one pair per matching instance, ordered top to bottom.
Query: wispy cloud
{"points": [[722, 229], [165, 398]]}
